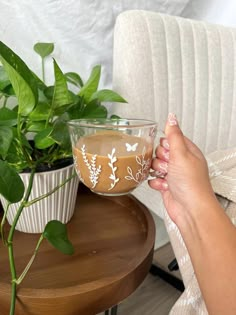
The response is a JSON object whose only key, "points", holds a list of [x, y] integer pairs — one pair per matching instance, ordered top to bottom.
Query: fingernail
{"points": [[172, 120], [165, 144], [166, 155], [163, 167], [165, 185]]}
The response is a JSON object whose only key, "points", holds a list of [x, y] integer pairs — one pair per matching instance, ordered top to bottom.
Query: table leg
{"points": [[112, 311]]}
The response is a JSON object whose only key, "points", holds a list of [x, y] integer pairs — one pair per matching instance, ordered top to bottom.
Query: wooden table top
{"points": [[113, 239]]}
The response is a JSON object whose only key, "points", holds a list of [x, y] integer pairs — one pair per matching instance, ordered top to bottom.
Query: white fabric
{"points": [[214, 11], [82, 30], [169, 64], [222, 170]]}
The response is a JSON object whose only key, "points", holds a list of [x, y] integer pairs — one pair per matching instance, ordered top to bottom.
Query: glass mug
{"points": [[112, 156]]}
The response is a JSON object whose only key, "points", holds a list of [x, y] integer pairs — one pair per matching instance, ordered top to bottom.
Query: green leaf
{"points": [[44, 49], [74, 78], [4, 80], [22, 80], [40, 83], [91, 85], [9, 91], [48, 92], [61, 95], [107, 96], [42, 98], [94, 110], [59, 111], [75, 111], [40, 112], [8, 117], [115, 117], [36, 126], [60, 133], [6, 136], [42, 140], [15, 156], [16, 162], [11, 186], [56, 234]]}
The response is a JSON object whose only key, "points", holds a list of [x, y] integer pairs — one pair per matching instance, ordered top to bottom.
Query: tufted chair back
{"points": [[167, 64]]}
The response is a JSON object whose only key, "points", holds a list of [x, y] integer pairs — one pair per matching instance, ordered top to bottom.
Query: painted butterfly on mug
{"points": [[131, 147]]}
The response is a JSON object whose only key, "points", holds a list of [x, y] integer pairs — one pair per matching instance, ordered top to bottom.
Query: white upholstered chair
{"points": [[167, 64]]}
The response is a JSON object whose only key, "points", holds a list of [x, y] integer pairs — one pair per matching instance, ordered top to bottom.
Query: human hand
{"points": [[185, 185]]}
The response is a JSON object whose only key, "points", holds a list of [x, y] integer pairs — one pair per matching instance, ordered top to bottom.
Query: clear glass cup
{"points": [[112, 156]]}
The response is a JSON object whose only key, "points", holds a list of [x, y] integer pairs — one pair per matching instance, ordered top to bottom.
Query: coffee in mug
{"points": [[114, 157]]}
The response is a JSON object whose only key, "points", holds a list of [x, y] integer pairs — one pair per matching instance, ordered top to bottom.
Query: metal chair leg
{"points": [[173, 265], [172, 280]]}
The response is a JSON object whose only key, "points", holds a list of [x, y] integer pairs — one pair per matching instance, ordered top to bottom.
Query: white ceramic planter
{"points": [[58, 206]]}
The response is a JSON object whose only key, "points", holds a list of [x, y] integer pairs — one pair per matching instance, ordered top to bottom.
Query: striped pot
{"points": [[58, 206]]}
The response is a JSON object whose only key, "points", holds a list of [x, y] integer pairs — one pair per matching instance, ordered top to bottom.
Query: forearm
{"points": [[209, 235], [210, 238]]}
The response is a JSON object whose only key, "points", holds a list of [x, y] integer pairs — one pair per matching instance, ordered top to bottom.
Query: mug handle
{"points": [[155, 174]]}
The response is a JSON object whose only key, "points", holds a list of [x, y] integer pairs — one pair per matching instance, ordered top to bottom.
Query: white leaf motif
{"points": [[138, 159], [93, 170], [129, 170], [142, 172], [113, 177], [128, 177]]}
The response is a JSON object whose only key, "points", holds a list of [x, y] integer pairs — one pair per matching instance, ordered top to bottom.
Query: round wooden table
{"points": [[113, 239]]}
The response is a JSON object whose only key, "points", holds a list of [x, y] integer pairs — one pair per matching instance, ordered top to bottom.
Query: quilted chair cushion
{"points": [[167, 64]]}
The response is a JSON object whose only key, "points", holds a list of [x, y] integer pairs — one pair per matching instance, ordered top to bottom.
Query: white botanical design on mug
{"points": [[152, 132], [131, 147], [77, 168], [93, 170], [142, 171], [113, 177]]}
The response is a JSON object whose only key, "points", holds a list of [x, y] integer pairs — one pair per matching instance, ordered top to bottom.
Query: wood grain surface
{"points": [[113, 239]]}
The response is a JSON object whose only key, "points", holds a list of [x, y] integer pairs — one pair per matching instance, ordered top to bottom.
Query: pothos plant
{"points": [[33, 132]]}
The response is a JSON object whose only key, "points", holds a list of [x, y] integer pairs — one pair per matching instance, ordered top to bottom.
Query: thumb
{"points": [[174, 134]]}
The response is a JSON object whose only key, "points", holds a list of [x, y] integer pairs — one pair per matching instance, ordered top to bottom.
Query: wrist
{"points": [[197, 218]]}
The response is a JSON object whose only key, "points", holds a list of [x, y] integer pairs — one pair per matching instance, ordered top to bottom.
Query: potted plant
{"points": [[34, 139]]}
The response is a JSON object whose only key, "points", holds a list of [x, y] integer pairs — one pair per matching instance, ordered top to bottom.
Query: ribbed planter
{"points": [[58, 206]]}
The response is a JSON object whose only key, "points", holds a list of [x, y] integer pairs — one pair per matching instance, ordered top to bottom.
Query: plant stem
{"points": [[43, 70], [5, 101], [19, 126], [20, 137], [29, 203], [2, 224], [10, 243], [21, 277], [13, 298]]}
